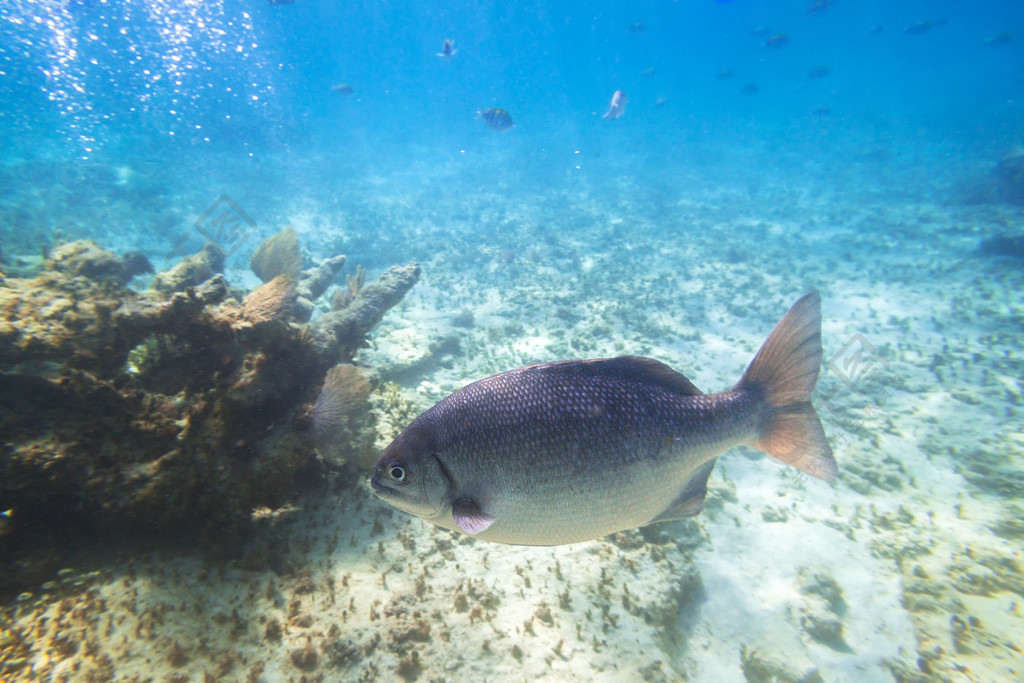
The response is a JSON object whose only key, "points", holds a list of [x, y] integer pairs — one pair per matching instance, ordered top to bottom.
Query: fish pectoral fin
{"points": [[690, 500], [469, 517]]}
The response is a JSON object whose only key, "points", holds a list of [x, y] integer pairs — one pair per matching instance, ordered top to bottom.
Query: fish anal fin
{"points": [[690, 500], [469, 517]]}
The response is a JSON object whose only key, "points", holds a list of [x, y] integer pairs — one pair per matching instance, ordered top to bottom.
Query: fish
{"points": [[818, 7], [918, 27], [637, 28], [1004, 38], [777, 41], [448, 49], [819, 72], [724, 75], [343, 89], [750, 89], [661, 102], [617, 107], [496, 118], [571, 451]]}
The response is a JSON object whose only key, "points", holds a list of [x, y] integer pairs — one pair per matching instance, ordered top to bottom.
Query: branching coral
{"points": [[173, 410]]}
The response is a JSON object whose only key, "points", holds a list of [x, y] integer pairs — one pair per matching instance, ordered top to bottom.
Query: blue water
{"points": [[242, 92], [855, 158]]}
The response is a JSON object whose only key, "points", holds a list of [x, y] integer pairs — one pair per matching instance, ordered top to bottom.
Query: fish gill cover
{"points": [[204, 345]]}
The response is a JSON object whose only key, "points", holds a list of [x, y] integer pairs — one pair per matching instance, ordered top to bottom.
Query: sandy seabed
{"points": [[907, 568]]}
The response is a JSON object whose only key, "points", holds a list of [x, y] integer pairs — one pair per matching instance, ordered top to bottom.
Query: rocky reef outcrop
{"points": [[179, 409]]}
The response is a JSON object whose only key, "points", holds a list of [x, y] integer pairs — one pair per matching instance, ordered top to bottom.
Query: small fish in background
{"points": [[281, 2], [818, 7], [919, 27], [637, 28], [877, 30], [759, 31], [1004, 38], [777, 41], [447, 50], [648, 72], [819, 72], [724, 75], [343, 89], [750, 89], [661, 102], [617, 107], [822, 112], [497, 118], [575, 450]]}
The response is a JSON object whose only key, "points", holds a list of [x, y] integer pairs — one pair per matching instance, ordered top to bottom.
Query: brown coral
{"points": [[279, 255], [191, 270], [274, 300], [162, 411], [342, 422]]}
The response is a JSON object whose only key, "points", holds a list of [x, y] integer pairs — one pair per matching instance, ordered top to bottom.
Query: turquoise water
{"points": [[766, 149]]}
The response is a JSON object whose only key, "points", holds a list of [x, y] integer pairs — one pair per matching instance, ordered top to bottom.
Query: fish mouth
{"points": [[379, 489]]}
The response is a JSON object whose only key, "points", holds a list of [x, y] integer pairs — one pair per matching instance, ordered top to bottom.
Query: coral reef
{"points": [[279, 255], [191, 271], [313, 283], [353, 283], [275, 300], [340, 333], [177, 409], [343, 424]]}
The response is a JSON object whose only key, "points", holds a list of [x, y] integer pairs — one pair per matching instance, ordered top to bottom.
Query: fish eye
{"points": [[396, 472]]}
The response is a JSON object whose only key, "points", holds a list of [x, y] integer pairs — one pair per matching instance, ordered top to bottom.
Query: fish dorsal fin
{"points": [[635, 368], [690, 500]]}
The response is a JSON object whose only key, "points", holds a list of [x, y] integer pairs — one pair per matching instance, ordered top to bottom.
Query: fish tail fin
{"points": [[784, 371]]}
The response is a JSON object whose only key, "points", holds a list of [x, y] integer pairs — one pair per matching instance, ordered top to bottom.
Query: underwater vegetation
{"points": [[179, 409]]}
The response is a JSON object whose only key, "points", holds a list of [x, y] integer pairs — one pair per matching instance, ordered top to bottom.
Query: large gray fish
{"points": [[574, 450]]}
